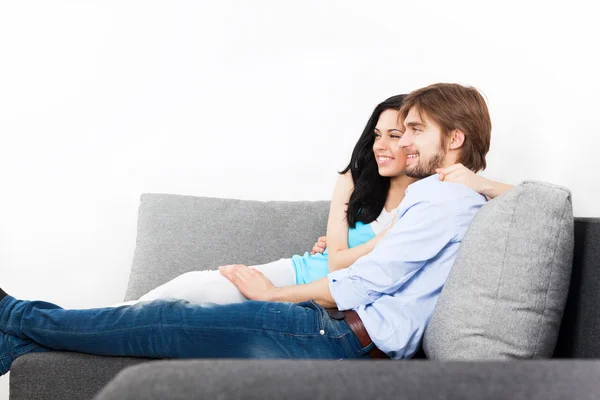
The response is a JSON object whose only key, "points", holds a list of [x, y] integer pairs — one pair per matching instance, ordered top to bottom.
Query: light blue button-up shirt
{"points": [[395, 287]]}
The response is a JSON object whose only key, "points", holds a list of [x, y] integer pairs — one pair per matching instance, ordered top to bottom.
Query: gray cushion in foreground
{"points": [[178, 234], [506, 292], [63, 375], [343, 380]]}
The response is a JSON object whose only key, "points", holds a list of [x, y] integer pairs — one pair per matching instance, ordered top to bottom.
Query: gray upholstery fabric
{"points": [[177, 234], [505, 295], [580, 330], [63, 375], [77, 376], [343, 380]]}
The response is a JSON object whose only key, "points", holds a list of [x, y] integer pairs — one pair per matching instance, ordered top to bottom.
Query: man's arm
{"points": [[425, 228], [255, 286], [317, 291]]}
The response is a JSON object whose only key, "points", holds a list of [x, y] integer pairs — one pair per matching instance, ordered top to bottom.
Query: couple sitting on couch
{"points": [[396, 221]]}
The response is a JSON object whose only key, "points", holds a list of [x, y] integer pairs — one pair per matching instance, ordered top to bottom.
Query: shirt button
{"points": [[322, 332]]}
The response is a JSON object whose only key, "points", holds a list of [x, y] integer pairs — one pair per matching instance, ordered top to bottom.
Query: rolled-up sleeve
{"points": [[422, 231]]}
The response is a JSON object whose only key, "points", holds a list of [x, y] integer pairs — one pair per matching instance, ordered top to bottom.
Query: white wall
{"points": [[101, 101]]}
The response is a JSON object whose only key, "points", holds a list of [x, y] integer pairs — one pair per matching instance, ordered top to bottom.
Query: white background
{"points": [[101, 101]]}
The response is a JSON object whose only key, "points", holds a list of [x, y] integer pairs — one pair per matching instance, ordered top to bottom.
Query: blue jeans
{"points": [[178, 329]]}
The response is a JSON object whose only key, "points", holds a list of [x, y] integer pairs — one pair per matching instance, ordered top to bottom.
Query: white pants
{"points": [[212, 287]]}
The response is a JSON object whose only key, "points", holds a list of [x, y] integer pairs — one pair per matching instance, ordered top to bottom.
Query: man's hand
{"points": [[251, 283]]}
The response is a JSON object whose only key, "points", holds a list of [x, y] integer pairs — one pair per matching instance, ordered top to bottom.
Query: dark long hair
{"points": [[370, 189]]}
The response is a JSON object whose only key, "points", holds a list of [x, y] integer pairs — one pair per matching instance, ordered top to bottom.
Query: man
{"points": [[378, 307]]}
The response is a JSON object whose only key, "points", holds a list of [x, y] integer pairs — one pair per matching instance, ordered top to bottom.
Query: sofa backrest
{"points": [[178, 234], [579, 335]]}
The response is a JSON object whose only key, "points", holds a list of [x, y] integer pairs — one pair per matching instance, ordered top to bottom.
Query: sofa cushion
{"points": [[178, 234], [505, 295], [63, 375], [350, 379]]}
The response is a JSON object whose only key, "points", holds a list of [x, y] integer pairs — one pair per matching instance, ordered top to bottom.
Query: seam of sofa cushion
{"points": [[512, 221], [552, 272]]}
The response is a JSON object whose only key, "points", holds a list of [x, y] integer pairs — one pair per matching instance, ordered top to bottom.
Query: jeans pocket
{"points": [[291, 319], [312, 320], [328, 325]]}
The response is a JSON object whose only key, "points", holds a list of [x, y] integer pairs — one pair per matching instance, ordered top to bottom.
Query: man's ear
{"points": [[457, 138]]}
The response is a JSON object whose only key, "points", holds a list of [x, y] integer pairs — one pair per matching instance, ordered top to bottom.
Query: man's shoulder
{"points": [[432, 190], [454, 203]]}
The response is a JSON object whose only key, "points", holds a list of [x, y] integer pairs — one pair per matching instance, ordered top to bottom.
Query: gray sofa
{"points": [[177, 234]]}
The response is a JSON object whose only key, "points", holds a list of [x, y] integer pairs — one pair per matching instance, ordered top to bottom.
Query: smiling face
{"points": [[424, 145], [390, 158]]}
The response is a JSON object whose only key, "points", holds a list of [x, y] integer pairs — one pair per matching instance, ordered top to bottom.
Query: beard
{"points": [[425, 169]]}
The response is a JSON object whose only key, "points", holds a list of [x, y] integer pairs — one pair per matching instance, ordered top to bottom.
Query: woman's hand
{"points": [[458, 173], [320, 246], [250, 282]]}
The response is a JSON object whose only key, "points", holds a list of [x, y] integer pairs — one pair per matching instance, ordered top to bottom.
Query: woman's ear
{"points": [[457, 138]]}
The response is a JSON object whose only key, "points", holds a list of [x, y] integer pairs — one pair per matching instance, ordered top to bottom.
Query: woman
{"points": [[362, 210]]}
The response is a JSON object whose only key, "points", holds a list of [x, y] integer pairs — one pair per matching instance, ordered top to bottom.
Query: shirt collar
{"points": [[425, 182]]}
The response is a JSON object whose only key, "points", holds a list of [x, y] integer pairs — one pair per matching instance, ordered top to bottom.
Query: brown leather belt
{"points": [[359, 330]]}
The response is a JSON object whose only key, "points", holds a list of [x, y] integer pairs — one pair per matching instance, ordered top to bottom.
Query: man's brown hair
{"points": [[453, 106]]}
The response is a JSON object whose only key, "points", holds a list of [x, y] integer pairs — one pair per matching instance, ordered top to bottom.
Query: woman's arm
{"points": [[458, 173], [494, 189], [340, 256], [341, 259]]}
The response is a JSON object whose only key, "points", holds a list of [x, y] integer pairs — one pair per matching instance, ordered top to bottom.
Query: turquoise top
{"points": [[311, 268]]}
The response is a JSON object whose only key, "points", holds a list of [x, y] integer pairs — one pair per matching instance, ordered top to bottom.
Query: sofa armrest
{"points": [[63, 375], [305, 379]]}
